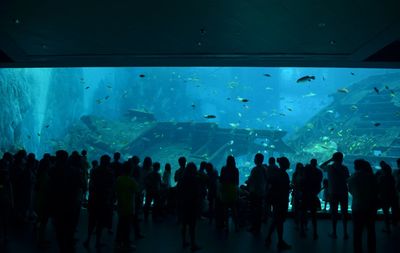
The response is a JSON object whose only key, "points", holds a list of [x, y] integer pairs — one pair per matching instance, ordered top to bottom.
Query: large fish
{"points": [[305, 79]]}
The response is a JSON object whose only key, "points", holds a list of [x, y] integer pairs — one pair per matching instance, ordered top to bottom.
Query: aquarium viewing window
{"points": [[204, 113]]}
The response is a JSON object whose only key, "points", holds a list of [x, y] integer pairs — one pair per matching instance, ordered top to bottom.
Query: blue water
{"points": [[41, 106]]}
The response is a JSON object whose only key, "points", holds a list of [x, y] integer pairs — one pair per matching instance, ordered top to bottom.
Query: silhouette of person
{"points": [[75, 164], [116, 165], [270, 169], [179, 172], [85, 175], [137, 175], [396, 175], [30, 177], [177, 177], [166, 178], [20, 180], [212, 182], [203, 183], [229, 184], [257, 184], [153, 188], [165, 188], [363, 188], [65, 189], [126, 189], [280, 189], [338, 190], [297, 192], [189, 193], [325, 193], [387, 194], [6, 195], [42, 195], [101, 196], [310, 201]]}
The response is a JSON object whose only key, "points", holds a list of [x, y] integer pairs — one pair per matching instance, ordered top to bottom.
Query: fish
{"points": [[351, 73], [141, 75], [267, 75], [323, 78], [194, 79], [305, 79], [233, 85], [109, 86], [87, 87], [387, 87], [268, 88], [343, 90], [376, 90], [311, 94], [392, 94], [107, 97], [228, 98], [244, 100], [99, 101], [354, 107], [290, 109], [239, 114], [282, 114], [209, 116], [377, 124], [47, 126], [179, 128], [331, 129], [38, 134], [29, 137], [145, 139], [324, 147], [205, 155]]}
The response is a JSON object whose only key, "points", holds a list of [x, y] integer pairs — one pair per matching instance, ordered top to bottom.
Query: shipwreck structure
{"points": [[139, 133]]}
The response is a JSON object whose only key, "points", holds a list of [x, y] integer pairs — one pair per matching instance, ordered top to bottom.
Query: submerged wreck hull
{"points": [[167, 141]]}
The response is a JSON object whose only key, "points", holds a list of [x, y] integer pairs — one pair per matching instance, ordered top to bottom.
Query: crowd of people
{"points": [[58, 186]]}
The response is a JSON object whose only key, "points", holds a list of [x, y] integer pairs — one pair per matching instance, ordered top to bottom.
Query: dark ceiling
{"points": [[353, 33]]}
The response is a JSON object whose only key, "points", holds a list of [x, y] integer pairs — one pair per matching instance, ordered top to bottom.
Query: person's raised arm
{"points": [[324, 166]]}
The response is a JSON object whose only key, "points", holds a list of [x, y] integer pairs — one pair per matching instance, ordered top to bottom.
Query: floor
{"points": [[165, 237]]}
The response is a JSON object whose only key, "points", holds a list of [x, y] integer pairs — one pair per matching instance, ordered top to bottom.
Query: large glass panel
{"points": [[204, 113]]}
